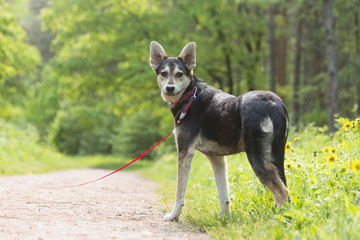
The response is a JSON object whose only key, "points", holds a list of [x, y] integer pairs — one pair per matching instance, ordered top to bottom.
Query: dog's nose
{"points": [[170, 89]]}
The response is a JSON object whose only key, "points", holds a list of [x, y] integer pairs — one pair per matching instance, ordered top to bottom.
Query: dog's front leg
{"points": [[184, 166], [219, 166]]}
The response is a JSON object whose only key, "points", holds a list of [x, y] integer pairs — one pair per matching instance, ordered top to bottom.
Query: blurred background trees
{"points": [[18, 61], [79, 69]]}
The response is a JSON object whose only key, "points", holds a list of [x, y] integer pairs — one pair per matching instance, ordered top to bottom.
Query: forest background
{"points": [[78, 70]]}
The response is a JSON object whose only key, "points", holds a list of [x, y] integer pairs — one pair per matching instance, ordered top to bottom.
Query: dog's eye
{"points": [[163, 74], [179, 74]]}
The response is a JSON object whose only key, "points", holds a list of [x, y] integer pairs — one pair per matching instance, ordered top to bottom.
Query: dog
{"points": [[219, 124]]}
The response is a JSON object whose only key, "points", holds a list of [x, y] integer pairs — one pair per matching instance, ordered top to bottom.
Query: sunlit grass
{"points": [[323, 178]]}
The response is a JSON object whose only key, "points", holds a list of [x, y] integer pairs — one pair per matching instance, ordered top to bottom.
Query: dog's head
{"points": [[174, 74]]}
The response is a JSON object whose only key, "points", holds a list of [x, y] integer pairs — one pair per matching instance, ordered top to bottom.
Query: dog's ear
{"points": [[157, 54], [188, 55]]}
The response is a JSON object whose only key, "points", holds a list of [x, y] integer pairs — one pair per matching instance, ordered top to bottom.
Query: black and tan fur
{"points": [[219, 124]]}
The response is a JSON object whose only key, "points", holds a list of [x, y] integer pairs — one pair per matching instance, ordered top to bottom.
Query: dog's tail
{"points": [[287, 125]]}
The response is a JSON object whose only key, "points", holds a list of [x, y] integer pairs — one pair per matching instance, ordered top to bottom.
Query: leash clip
{"points": [[194, 96], [181, 117]]}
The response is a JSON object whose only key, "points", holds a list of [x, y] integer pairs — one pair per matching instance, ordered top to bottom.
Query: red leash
{"points": [[181, 117], [98, 179]]}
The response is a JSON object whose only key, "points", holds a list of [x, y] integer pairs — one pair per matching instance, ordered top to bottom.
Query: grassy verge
{"points": [[21, 153], [323, 178]]}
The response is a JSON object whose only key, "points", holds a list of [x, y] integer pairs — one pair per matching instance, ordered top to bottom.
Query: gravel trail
{"points": [[123, 206]]}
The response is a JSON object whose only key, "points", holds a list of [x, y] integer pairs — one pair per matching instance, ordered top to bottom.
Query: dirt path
{"points": [[123, 206]]}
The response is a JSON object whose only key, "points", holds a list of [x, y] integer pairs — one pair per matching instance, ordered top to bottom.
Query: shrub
{"points": [[82, 130], [137, 133], [20, 151]]}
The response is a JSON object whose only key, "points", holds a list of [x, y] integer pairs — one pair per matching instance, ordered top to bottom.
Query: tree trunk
{"points": [[271, 49], [226, 53], [331, 58], [313, 59], [252, 65], [281, 69], [357, 70], [230, 82], [296, 83]]}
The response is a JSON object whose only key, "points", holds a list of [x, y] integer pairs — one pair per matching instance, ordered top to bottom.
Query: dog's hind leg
{"points": [[258, 147], [278, 155], [218, 164], [184, 166], [267, 173]]}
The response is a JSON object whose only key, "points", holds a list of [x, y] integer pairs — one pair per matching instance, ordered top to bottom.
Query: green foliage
{"points": [[17, 8], [102, 53], [93, 56], [101, 56], [18, 60], [100, 60], [99, 67], [43, 102], [9, 111], [317, 116], [81, 130], [140, 130], [137, 133], [22, 153], [323, 177]]}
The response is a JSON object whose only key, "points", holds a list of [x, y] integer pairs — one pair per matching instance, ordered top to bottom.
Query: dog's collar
{"points": [[191, 93]]}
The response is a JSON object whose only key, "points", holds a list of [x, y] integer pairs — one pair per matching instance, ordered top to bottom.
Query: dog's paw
{"points": [[170, 218]]}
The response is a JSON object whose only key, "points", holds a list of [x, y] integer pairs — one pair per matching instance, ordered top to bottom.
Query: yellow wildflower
{"points": [[357, 122], [348, 125], [296, 139], [288, 147], [326, 149], [333, 150], [331, 158], [288, 165], [355, 166]]}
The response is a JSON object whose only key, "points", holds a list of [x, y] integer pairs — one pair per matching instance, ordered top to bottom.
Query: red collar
{"points": [[191, 93]]}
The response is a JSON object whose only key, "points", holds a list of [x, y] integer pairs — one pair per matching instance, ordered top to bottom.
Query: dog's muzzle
{"points": [[170, 90]]}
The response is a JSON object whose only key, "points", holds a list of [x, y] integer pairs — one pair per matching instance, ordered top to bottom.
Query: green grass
{"points": [[21, 153], [325, 195]]}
